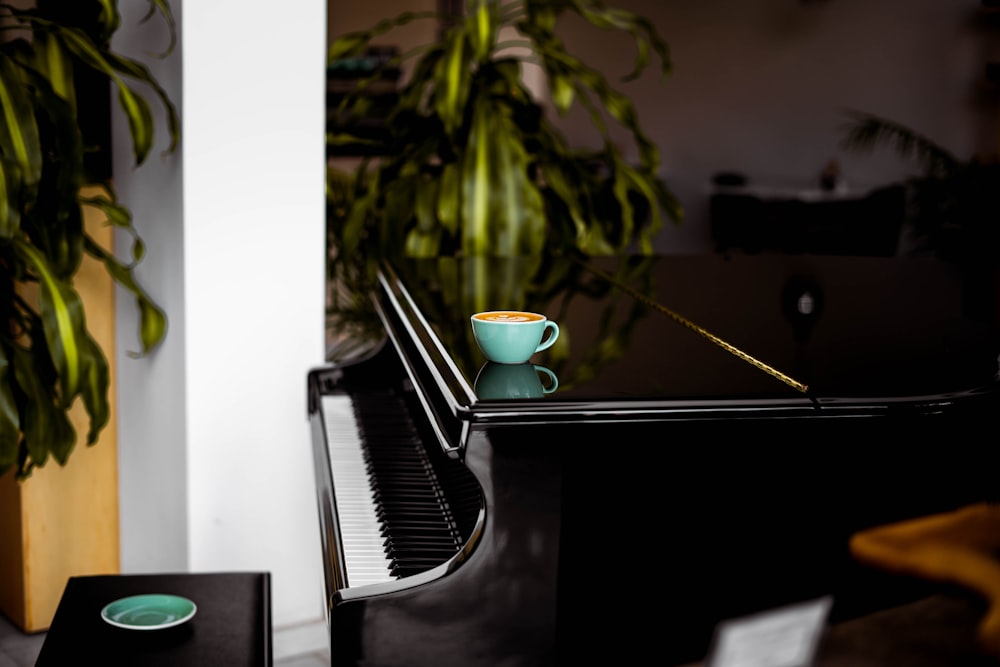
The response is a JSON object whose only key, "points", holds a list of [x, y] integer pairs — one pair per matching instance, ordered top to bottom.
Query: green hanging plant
{"points": [[470, 164], [48, 359]]}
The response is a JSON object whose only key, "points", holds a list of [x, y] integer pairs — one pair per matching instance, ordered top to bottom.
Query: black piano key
{"points": [[427, 504]]}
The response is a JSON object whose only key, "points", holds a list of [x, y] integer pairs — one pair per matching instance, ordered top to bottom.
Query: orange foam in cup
{"points": [[512, 316]]}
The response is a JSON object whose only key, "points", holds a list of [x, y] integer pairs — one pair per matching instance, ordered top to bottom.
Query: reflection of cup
{"points": [[512, 336], [514, 381]]}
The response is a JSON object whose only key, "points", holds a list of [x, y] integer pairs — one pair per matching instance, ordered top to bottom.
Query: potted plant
{"points": [[53, 58], [472, 164]]}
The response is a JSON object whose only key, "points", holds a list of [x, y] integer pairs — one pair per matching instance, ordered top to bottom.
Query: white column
{"points": [[216, 469]]}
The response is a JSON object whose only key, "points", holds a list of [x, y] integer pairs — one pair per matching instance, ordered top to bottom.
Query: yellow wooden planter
{"points": [[63, 522]]}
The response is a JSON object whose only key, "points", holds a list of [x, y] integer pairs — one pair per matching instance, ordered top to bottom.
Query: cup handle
{"points": [[553, 334], [553, 380]]}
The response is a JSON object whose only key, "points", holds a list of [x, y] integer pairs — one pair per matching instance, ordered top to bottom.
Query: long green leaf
{"points": [[163, 8], [540, 13], [110, 19], [486, 20], [643, 33], [355, 43], [552, 53], [56, 66], [139, 72], [452, 82], [414, 93], [140, 118], [19, 137], [476, 180], [559, 183], [449, 198], [519, 205], [397, 207], [425, 207], [116, 214], [10, 216], [120, 217], [508, 217], [356, 225], [422, 244], [62, 317], [152, 318], [94, 390], [46, 427]]}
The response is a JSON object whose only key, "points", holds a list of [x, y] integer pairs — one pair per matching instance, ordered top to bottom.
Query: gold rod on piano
{"points": [[702, 332]]}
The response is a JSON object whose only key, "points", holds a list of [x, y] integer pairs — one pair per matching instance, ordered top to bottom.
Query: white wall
{"points": [[152, 412], [216, 469]]}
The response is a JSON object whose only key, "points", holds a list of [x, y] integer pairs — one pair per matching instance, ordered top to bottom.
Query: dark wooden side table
{"points": [[232, 624]]}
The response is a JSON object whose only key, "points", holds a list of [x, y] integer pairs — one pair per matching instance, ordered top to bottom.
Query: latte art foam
{"points": [[509, 316]]}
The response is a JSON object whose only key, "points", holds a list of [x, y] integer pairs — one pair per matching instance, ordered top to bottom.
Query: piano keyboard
{"points": [[401, 510], [363, 551]]}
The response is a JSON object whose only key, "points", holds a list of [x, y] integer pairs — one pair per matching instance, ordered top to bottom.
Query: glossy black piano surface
{"points": [[720, 428]]}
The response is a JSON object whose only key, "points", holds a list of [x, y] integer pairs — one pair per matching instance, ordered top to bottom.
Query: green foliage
{"points": [[471, 164], [48, 359]]}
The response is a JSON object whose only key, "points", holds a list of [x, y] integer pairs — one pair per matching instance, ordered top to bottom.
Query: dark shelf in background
{"points": [[374, 71]]}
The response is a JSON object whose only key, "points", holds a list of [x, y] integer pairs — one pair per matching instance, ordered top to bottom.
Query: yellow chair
{"points": [[961, 548]]}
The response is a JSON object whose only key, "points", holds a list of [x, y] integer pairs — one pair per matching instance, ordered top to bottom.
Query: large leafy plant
{"points": [[472, 164], [48, 359]]}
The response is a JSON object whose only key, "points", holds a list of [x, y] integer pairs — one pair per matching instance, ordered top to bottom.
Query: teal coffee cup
{"points": [[512, 336], [514, 381]]}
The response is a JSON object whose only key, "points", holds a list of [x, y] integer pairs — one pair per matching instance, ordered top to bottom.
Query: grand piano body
{"points": [[721, 426]]}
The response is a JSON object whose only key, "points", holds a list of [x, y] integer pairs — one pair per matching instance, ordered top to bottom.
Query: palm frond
{"points": [[867, 132]]}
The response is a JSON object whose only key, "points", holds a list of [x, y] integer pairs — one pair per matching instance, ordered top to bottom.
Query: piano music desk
{"points": [[936, 631]]}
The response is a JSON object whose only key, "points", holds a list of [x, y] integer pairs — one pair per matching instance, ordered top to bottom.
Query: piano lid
{"points": [[708, 331]]}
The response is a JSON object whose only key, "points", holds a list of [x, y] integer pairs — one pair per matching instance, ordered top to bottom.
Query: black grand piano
{"points": [[702, 441]]}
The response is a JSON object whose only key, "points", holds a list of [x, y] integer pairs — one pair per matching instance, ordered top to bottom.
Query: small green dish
{"points": [[149, 612]]}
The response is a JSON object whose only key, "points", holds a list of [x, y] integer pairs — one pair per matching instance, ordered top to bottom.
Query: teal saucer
{"points": [[149, 612]]}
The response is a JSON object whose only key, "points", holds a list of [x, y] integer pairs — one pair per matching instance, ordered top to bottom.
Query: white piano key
{"points": [[365, 560]]}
